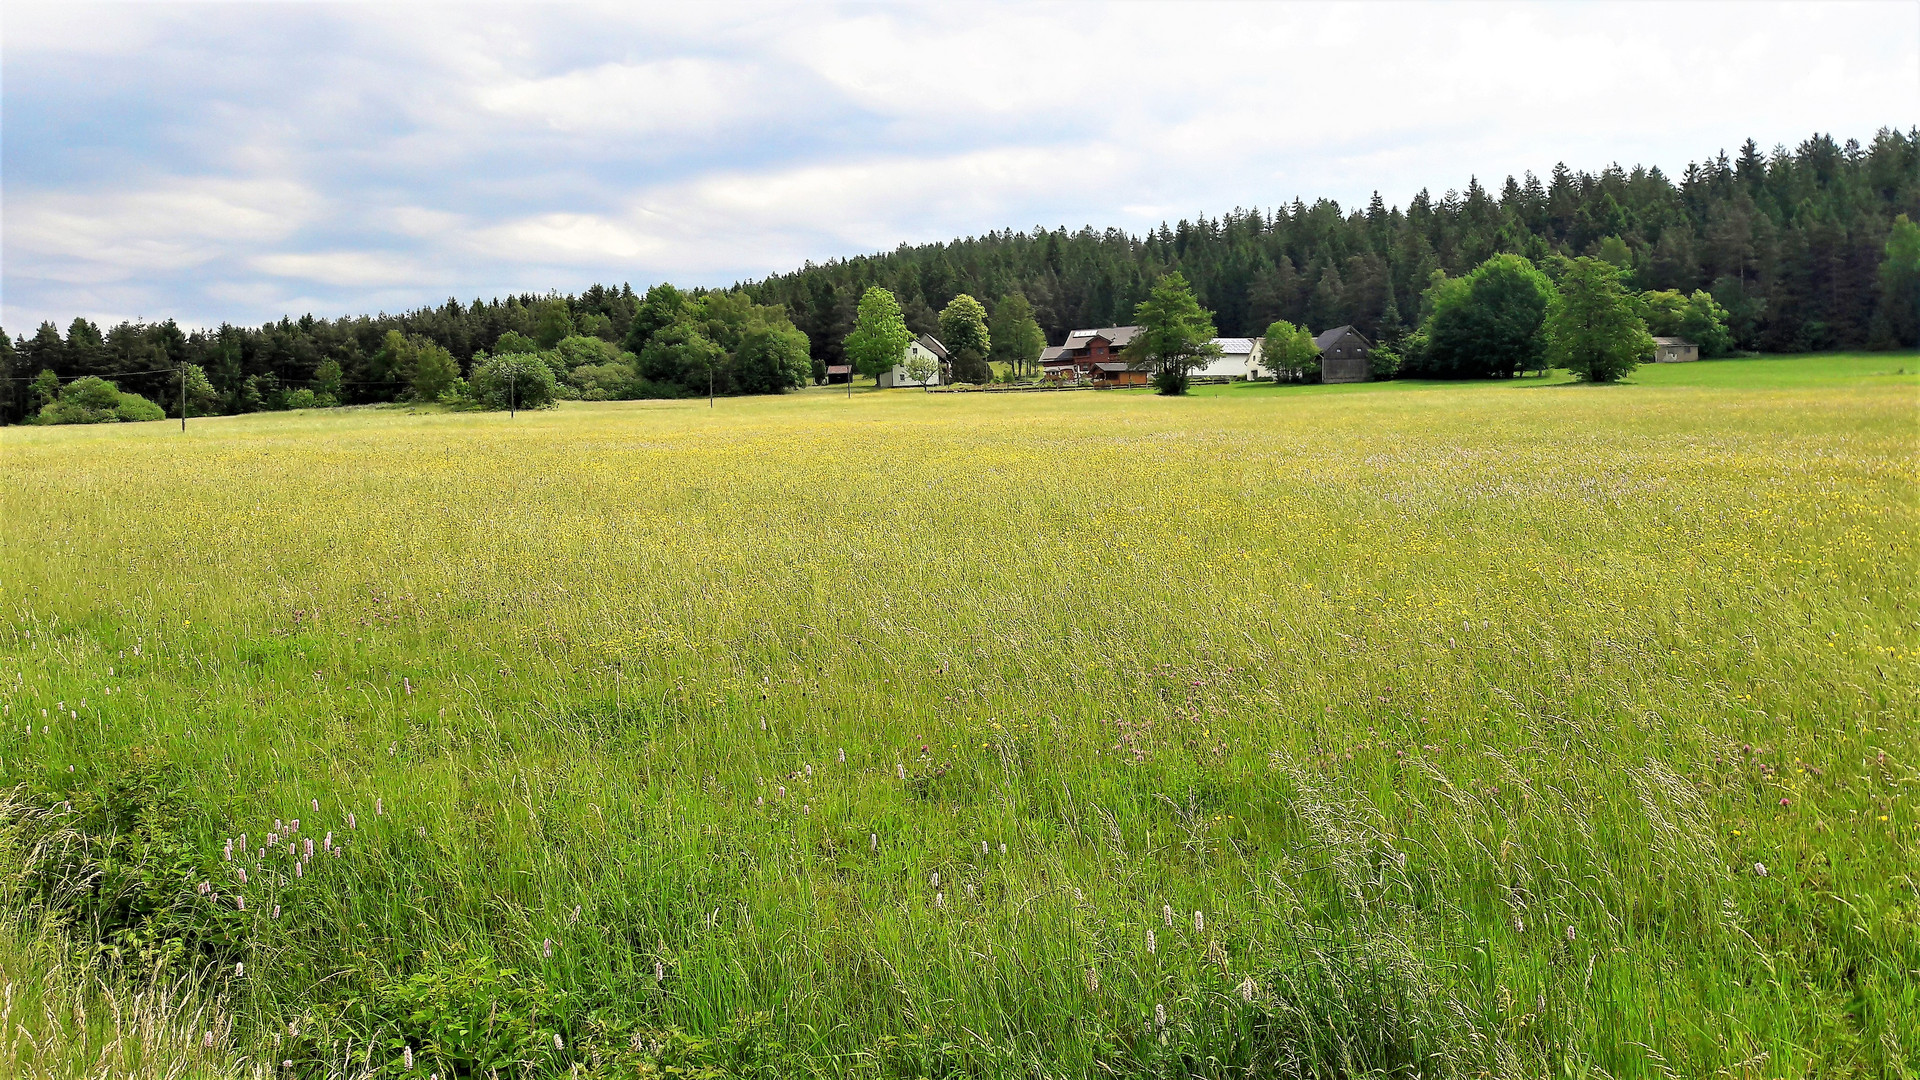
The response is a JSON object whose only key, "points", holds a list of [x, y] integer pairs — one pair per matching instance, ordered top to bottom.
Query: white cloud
{"points": [[626, 100], [282, 157], [176, 223], [360, 269]]}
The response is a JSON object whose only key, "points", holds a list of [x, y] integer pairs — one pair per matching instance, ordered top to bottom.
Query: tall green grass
{"points": [[1486, 730]]}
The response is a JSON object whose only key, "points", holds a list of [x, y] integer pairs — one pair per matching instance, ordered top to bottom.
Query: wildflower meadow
{"points": [[1409, 729]]}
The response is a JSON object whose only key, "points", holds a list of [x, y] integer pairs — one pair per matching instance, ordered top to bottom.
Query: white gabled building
{"points": [[928, 346], [1240, 358]]}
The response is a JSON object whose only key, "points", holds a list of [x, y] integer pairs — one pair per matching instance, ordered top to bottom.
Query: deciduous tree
{"points": [[1488, 323], [963, 325], [1592, 325], [1176, 334], [879, 338], [1017, 338], [1289, 350]]}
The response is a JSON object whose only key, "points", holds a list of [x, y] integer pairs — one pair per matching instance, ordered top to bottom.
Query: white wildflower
{"points": [[1151, 945]]}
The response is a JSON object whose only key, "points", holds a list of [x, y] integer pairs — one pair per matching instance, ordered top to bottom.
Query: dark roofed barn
{"points": [[1344, 355]]}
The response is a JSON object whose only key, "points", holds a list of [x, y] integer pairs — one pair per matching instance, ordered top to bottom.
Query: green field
{"points": [[1408, 729]]}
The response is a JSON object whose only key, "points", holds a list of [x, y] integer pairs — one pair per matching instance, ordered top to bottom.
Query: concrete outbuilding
{"points": [[1673, 350]]}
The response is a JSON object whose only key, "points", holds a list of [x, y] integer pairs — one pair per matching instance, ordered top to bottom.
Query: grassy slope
{"points": [[1462, 712]]}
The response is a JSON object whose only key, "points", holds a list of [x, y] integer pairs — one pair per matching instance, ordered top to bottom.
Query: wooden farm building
{"points": [[1673, 350], [1087, 354], [1343, 355]]}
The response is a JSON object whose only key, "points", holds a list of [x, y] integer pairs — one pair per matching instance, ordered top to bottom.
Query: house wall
{"points": [[1230, 367], [899, 377]]}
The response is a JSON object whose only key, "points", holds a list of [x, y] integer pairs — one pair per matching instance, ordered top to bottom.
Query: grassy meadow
{"points": [[1516, 729]]}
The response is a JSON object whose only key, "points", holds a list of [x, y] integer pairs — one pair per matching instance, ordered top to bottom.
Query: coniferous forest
{"points": [[1801, 248]]}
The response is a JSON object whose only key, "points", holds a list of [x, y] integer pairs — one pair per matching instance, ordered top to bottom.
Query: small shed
{"points": [[1673, 350], [1344, 355]]}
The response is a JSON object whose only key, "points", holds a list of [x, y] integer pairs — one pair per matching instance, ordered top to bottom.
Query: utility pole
{"points": [[510, 374], [709, 384], [183, 395]]}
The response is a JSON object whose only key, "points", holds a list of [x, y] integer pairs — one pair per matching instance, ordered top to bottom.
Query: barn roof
{"points": [[1328, 337], [1673, 341], [932, 345], [1234, 346], [1114, 365]]}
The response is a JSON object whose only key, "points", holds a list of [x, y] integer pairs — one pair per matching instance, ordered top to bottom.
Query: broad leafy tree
{"points": [[552, 321], [1487, 324], [963, 325], [1593, 325], [1176, 334], [879, 338], [1017, 338], [1289, 350], [771, 360], [434, 372]]}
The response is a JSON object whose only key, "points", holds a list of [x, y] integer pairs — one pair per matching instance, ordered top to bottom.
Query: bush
{"points": [[1383, 362], [969, 366], [526, 377], [1171, 382], [93, 400], [134, 409]]}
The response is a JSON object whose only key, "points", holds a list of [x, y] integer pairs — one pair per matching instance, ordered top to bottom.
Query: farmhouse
{"points": [[927, 347], [1673, 350], [1084, 351], [1343, 355], [1239, 359]]}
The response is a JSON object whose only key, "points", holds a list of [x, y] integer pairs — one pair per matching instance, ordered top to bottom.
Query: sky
{"points": [[239, 162]]}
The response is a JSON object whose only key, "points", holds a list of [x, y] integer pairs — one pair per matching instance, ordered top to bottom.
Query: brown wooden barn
{"points": [[1344, 355]]}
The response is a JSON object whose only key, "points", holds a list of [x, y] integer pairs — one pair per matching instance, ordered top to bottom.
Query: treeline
{"points": [[1791, 244]]}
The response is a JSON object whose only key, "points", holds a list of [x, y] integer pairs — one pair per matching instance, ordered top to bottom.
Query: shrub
{"points": [[526, 378], [1171, 382], [93, 400], [134, 409]]}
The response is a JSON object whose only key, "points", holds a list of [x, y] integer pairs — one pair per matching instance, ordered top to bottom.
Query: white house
{"points": [[927, 346], [1240, 358]]}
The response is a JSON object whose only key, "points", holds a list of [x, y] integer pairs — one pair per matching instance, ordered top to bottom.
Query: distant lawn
{"points": [[1803, 370]]}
